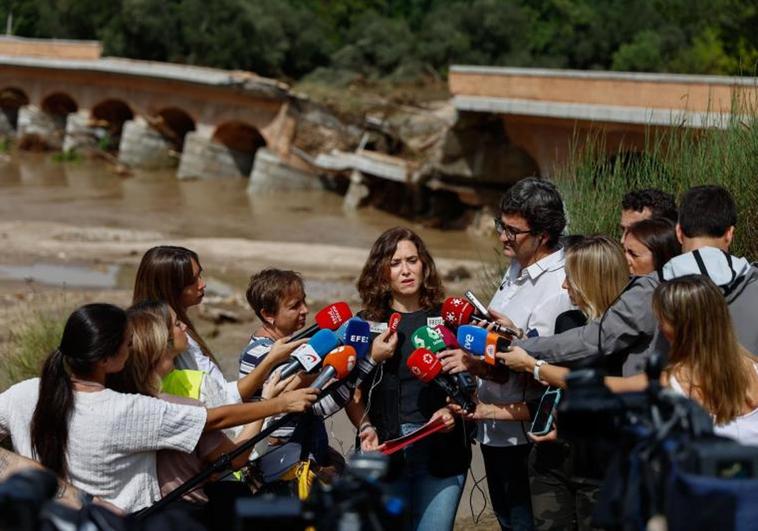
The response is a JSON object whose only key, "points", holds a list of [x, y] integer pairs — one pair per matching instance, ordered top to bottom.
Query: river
{"points": [[34, 187]]}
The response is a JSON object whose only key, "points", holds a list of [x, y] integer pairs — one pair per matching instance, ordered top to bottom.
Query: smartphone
{"points": [[476, 303], [543, 420]]}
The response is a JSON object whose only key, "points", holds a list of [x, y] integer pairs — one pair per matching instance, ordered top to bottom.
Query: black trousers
{"points": [[508, 482]]}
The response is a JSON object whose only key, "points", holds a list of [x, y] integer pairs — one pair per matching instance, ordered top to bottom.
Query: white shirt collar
{"points": [[551, 262]]}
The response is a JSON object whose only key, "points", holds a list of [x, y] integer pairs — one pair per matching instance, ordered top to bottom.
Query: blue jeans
{"points": [[431, 502]]}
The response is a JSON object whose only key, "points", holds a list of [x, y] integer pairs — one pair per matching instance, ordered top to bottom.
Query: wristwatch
{"points": [[536, 369]]}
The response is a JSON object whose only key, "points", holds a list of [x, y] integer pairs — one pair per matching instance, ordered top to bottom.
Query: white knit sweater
{"points": [[112, 439]]}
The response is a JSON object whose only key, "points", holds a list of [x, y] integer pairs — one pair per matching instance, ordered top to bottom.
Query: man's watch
{"points": [[536, 369]]}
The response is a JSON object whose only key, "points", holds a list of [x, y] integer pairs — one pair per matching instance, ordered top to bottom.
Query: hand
{"points": [[502, 319], [383, 346], [281, 350], [517, 359], [455, 361], [274, 386], [299, 400], [455, 409], [447, 417], [552, 435], [369, 439]]}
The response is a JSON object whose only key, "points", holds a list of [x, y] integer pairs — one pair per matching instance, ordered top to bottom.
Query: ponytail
{"points": [[93, 333], [49, 429]]}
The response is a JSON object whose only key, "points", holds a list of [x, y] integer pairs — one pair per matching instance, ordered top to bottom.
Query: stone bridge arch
{"points": [[11, 100], [111, 114], [44, 127], [230, 151]]}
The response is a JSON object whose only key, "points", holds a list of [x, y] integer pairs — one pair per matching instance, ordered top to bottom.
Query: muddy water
{"points": [[34, 187]]}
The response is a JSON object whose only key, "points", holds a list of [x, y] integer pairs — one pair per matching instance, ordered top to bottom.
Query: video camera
{"points": [[663, 457], [355, 501]]}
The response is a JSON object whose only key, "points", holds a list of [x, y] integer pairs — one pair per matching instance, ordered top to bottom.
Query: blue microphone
{"points": [[358, 336], [480, 342], [308, 356]]}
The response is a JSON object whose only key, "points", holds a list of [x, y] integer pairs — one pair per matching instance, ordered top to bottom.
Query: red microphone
{"points": [[457, 311], [329, 318], [393, 322], [448, 337], [337, 364], [425, 366]]}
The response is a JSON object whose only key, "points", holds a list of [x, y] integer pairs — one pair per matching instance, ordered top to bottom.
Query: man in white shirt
{"points": [[531, 296]]}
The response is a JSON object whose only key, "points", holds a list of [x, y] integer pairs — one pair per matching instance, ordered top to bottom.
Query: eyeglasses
{"points": [[510, 232]]}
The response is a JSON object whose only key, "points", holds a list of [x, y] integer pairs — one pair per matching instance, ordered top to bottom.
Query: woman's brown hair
{"points": [[163, 274], [374, 282], [704, 350]]}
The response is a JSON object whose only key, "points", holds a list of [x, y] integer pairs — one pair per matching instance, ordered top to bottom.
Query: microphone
{"points": [[456, 312], [328, 318], [393, 322], [358, 336], [428, 338], [480, 342], [308, 356], [338, 363], [425, 366]]}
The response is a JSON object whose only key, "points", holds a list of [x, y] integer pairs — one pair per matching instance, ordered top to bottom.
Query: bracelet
{"points": [[536, 369], [365, 426]]}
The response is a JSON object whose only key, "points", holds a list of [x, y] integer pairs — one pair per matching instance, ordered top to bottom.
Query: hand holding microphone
{"points": [[457, 311], [480, 342], [308, 356], [337, 364], [425, 366]]}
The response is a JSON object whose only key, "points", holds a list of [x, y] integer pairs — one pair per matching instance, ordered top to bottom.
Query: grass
{"points": [[674, 160], [28, 345]]}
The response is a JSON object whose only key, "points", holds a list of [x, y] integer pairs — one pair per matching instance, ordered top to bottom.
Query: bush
{"points": [[675, 160], [28, 345]]}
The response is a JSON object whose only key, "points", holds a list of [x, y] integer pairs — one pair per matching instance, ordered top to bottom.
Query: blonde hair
{"points": [[596, 272], [150, 323], [704, 347]]}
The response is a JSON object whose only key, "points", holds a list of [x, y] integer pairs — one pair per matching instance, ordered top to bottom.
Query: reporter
{"points": [[649, 244], [174, 275], [157, 338], [706, 363], [52, 417], [563, 489]]}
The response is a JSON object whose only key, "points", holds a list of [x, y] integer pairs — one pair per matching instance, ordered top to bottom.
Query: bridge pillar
{"points": [[6, 127], [37, 128], [79, 134], [142, 146], [205, 159], [272, 173]]}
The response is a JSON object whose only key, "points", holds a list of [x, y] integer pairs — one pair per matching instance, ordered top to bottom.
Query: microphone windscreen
{"points": [[457, 311], [331, 317], [394, 321], [341, 331], [358, 336], [428, 337], [447, 337], [473, 339], [324, 341], [342, 359], [424, 365]]}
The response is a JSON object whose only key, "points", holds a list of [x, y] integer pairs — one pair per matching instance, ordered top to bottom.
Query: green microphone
{"points": [[428, 338]]}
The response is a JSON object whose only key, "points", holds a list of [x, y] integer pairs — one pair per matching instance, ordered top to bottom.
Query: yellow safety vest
{"points": [[185, 382]]}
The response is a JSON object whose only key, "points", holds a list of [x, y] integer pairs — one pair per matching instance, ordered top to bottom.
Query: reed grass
{"points": [[674, 160], [28, 345]]}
